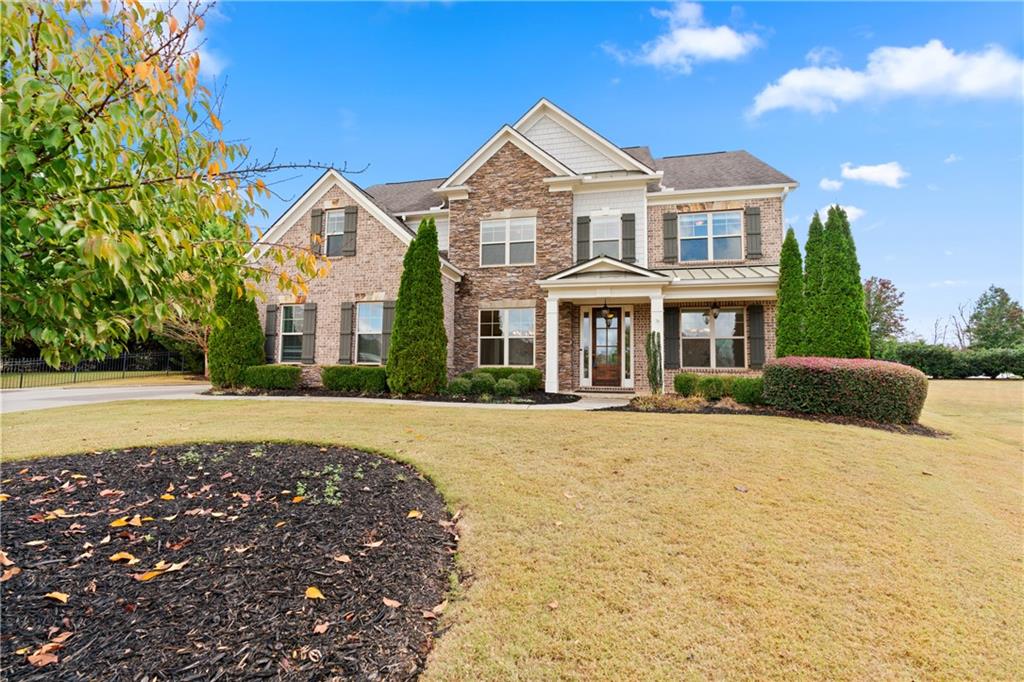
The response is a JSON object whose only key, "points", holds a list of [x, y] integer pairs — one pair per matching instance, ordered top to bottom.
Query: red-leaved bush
{"points": [[867, 389]]}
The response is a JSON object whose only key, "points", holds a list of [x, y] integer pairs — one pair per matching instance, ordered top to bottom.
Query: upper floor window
{"points": [[334, 228], [605, 236], [710, 236], [508, 241], [291, 333], [369, 333], [506, 337], [712, 342]]}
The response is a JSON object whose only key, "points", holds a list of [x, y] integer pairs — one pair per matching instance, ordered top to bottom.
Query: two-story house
{"points": [[559, 250]]}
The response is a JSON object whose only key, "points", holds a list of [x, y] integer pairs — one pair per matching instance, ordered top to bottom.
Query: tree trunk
{"points": [[206, 365]]}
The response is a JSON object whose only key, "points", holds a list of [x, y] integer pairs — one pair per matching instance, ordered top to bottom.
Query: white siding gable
{"points": [[568, 148], [615, 202], [442, 230]]}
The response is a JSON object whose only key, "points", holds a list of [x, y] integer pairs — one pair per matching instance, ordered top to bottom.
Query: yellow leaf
{"points": [[172, 24], [142, 70], [216, 123], [214, 168], [167, 496], [4, 497], [297, 499], [415, 514], [117, 523], [279, 524], [124, 556], [343, 558], [4, 561], [148, 575], [314, 593], [57, 596], [391, 603], [23, 650]]}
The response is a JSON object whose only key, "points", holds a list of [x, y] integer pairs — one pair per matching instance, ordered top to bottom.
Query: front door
{"points": [[607, 346]]}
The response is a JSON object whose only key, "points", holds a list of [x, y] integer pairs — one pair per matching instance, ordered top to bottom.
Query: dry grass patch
{"points": [[852, 554]]}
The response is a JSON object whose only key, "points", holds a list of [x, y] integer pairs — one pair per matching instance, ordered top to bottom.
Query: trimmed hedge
{"points": [[943, 362], [271, 376], [535, 376], [355, 379], [524, 380], [483, 383], [685, 383], [460, 386], [713, 387], [506, 388], [748, 390], [879, 391]]}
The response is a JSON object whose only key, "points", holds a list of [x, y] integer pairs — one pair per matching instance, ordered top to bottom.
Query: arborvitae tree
{"points": [[812, 286], [842, 316], [789, 317], [236, 341], [418, 353]]}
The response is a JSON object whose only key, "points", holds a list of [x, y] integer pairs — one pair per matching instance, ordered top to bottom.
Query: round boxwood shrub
{"points": [[535, 375], [268, 377], [524, 380], [483, 383], [685, 383], [460, 386], [712, 387], [506, 388], [748, 390], [879, 391]]}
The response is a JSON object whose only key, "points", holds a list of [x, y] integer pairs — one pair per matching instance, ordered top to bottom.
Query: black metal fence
{"points": [[34, 373]]}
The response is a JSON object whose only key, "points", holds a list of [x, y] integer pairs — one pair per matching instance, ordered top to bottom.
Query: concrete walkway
{"points": [[26, 399]]}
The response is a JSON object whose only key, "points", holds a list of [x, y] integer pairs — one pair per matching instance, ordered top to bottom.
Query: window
{"points": [[334, 227], [605, 232], [508, 241], [723, 241], [291, 333], [369, 333], [506, 337], [710, 342]]}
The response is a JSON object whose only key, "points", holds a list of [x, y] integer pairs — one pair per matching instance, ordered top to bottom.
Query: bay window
{"points": [[711, 236], [508, 241], [291, 333], [506, 337], [710, 342]]}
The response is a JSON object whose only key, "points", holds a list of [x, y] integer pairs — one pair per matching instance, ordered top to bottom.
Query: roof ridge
{"points": [[680, 156], [406, 182]]}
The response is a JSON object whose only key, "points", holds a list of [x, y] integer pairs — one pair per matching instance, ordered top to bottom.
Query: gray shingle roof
{"points": [[641, 154], [717, 169], [414, 195]]}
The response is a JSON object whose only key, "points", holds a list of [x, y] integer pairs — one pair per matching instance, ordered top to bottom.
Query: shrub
{"points": [[789, 314], [235, 343], [652, 346], [417, 354], [943, 362], [271, 376], [535, 376], [354, 379], [524, 381], [482, 383], [685, 383], [460, 386], [712, 387], [506, 388], [867, 389], [748, 390]]}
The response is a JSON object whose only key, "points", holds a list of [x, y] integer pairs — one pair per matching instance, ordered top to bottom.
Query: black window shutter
{"points": [[752, 218], [316, 231], [670, 232], [630, 238], [348, 239], [582, 239], [386, 325], [755, 327], [308, 332], [270, 333], [672, 338], [345, 351]]}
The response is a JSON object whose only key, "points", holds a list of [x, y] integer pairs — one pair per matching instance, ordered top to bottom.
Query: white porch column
{"points": [[658, 325], [551, 345]]}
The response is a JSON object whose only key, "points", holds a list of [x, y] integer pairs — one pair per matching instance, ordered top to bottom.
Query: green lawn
{"points": [[48, 379], [854, 553]]}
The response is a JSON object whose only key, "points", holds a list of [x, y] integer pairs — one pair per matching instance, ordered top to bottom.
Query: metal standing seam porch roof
{"points": [[724, 273]]}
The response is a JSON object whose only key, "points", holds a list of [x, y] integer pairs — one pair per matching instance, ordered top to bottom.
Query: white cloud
{"points": [[689, 39], [823, 55], [931, 69], [953, 158], [888, 174], [830, 185], [852, 212], [947, 252], [947, 283]]}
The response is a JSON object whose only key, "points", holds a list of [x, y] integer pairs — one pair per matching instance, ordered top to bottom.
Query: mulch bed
{"points": [[532, 398], [762, 411], [244, 530]]}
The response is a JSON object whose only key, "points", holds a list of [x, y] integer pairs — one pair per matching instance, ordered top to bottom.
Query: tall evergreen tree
{"points": [[813, 269], [840, 308], [789, 320], [236, 340], [418, 354]]}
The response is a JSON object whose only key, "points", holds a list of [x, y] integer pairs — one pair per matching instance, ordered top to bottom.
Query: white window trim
{"points": [[327, 222], [711, 236], [508, 242], [586, 320], [713, 330], [281, 334], [380, 334], [505, 338]]}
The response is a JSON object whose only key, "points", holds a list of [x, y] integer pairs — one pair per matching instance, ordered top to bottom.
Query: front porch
{"points": [[599, 313]]}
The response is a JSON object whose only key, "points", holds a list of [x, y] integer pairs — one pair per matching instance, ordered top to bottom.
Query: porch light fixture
{"points": [[715, 310], [606, 312]]}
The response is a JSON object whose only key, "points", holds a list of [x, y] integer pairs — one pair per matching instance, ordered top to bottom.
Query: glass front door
{"points": [[607, 339]]}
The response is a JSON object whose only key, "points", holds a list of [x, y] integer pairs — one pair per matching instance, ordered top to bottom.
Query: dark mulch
{"points": [[532, 398], [763, 411], [237, 608]]}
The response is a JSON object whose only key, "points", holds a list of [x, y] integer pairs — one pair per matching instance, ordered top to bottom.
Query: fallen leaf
{"points": [[926, 473], [79, 476], [741, 488], [167, 496], [4, 497], [297, 499], [414, 514], [168, 518], [136, 521], [117, 523], [279, 524], [105, 540], [35, 543], [378, 543], [124, 556], [343, 558], [4, 561], [9, 573], [148, 575], [314, 593], [57, 596], [391, 603], [553, 605], [439, 609], [429, 615], [320, 628], [61, 638], [23, 650], [40, 660]]}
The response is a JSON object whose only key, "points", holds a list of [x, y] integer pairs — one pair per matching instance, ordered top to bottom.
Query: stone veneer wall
{"points": [[509, 180], [771, 230]]}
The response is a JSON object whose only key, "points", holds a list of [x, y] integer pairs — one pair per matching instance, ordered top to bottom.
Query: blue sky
{"points": [[932, 138]]}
